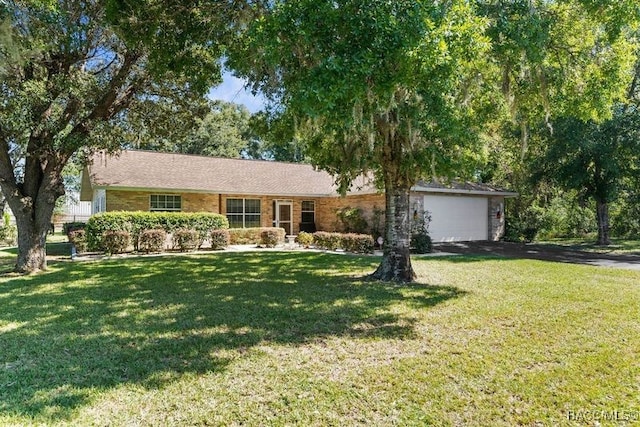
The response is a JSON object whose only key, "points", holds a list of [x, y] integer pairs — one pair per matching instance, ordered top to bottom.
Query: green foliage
{"points": [[351, 220], [136, 222], [68, 227], [8, 235], [253, 235], [271, 236], [78, 239], [186, 239], [220, 239], [304, 239], [152, 240], [326, 240], [115, 242], [357, 243], [421, 243]]}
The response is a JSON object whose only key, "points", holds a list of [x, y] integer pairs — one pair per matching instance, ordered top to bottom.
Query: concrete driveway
{"points": [[541, 252]]}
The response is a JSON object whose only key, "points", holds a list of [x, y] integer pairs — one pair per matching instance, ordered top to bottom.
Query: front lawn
{"points": [[298, 339]]}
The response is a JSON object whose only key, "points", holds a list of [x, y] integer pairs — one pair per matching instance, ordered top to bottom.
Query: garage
{"points": [[457, 218]]}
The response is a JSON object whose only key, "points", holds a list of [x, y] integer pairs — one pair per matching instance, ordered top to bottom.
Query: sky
{"points": [[232, 89]]}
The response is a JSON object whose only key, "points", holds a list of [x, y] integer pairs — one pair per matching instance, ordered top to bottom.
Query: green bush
{"points": [[352, 220], [136, 222], [68, 227], [8, 232], [252, 236], [270, 237], [78, 239], [185, 239], [219, 239], [305, 239], [152, 240], [327, 241], [116, 242], [357, 243], [421, 243]]}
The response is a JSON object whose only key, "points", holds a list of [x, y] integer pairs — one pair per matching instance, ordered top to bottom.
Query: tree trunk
{"points": [[602, 209], [33, 217], [32, 255], [396, 261]]}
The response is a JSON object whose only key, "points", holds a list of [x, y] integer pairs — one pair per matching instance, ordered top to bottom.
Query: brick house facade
{"points": [[263, 193]]}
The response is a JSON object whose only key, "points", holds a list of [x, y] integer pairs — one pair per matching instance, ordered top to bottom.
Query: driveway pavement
{"points": [[541, 252]]}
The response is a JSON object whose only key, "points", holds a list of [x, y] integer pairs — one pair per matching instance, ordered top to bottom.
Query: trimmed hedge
{"points": [[136, 222], [68, 227], [252, 236], [270, 237], [78, 239], [185, 239], [220, 239], [305, 239], [152, 240], [327, 241], [116, 242], [350, 242], [357, 243], [421, 243]]}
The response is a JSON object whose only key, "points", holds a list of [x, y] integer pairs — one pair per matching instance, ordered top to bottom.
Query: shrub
{"points": [[352, 220], [136, 222], [68, 227], [8, 232], [252, 236], [269, 237], [78, 239], [186, 239], [220, 239], [305, 239], [152, 240], [328, 241], [115, 242], [357, 243], [421, 243]]}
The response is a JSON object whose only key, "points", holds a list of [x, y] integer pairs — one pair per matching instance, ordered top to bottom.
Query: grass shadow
{"points": [[87, 326]]}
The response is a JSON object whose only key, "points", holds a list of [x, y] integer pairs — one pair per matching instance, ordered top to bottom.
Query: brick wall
{"points": [[118, 200], [326, 219]]}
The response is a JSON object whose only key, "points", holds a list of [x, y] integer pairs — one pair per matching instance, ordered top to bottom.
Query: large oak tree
{"points": [[72, 69], [401, 89]]}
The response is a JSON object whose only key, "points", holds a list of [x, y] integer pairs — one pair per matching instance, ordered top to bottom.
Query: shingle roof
{"points": [[156, 171], [170, 171]]}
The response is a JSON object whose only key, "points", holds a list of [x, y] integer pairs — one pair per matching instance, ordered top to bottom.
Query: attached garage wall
{"points": [[457, 218]]}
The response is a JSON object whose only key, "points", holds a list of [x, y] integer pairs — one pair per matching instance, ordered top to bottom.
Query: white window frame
{"points": [[165, 208], [244, 212]]}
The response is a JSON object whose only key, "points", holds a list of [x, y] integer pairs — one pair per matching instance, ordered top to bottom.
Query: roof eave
{"points": [[463, 191]]}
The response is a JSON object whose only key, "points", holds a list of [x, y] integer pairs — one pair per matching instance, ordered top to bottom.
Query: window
{"points": [[99, 201], [165, 202], [308, 212], [243, 213]]}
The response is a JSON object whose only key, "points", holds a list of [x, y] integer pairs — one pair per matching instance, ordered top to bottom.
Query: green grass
{"points": [[617, 246], [299, 339]]}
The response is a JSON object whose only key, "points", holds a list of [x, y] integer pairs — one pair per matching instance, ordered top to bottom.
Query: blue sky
{"points": [[232, 89]]}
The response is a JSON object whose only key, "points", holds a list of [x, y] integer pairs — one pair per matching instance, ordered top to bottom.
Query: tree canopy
{"points": [[71, 70], [403, 89]]}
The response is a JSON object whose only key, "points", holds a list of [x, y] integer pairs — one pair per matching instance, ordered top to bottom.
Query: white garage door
{"points": [[457, 218]]}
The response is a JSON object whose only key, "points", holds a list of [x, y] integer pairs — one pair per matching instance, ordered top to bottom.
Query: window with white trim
{"points": [[99, 201], [165, 202], [308, 212], [243, 213]]}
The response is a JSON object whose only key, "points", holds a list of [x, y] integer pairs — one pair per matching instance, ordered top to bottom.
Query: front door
{"points": [[283, 215]]}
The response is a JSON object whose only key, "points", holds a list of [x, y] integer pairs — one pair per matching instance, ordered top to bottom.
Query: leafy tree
{"points": [[72, 69], [375, 86], [402, 89], [593, 159]]}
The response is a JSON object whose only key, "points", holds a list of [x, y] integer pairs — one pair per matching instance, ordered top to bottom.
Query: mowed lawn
{"points": [[269, 338]]}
